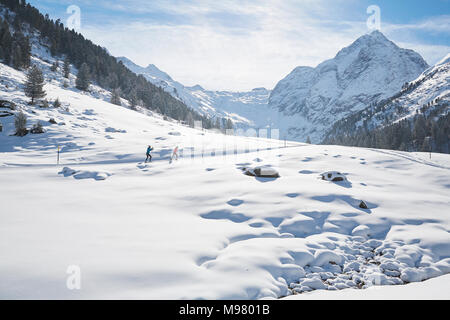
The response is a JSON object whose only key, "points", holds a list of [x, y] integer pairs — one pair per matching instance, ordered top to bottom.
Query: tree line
{"points": [[15, 48], [421, 133]]}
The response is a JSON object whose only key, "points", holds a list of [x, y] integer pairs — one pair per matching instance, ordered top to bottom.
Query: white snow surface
{"points": [[370, 69], [198, 228], [434, 289]]}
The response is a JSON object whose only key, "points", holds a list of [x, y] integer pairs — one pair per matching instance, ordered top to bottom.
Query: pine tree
{"points": [[6, 42], [25, 46], [6, 48], [20, 51], [16, 57], [54, 66], [66, 68], [83, 80], [34, 84], [115, 97], [133, 100], [57, 103], [189, 119], [20, 122], [217, 124], [229, 124], [419, 131], [426, 145]]}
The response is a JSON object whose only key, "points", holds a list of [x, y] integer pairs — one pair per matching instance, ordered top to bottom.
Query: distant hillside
{"points": [[105, 70], [245, 109]]}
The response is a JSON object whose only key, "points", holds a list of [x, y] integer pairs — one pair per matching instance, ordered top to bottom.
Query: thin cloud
{"points": [[237, 45]]}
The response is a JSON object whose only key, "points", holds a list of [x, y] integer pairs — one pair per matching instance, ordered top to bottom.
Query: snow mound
{"points": [[114, 130], [262, 172], [82, 174], [333, 176]]}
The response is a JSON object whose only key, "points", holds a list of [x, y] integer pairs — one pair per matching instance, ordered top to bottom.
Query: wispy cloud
{"points": [[243, 44]]}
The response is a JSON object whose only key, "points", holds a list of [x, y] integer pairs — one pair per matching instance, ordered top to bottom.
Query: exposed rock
{"points": [[263, 172], [333, 176], [363, 205]]}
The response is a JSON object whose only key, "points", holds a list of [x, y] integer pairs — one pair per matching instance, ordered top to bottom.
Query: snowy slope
{"points": [[370, 69], [430, 90], [246, 109], [198, 227]]}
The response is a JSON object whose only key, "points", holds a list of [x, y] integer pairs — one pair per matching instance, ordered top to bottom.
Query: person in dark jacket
{"points": [[149, 156]]}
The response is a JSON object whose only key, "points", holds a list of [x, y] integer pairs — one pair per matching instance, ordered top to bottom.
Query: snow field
{"points": [[198, 227]]}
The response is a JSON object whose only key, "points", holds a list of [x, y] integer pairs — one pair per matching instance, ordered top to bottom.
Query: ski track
{"points": [[410, 158]]}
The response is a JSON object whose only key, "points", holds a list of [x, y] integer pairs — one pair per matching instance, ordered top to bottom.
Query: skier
{"points": [[175, 154], [149, 156]]}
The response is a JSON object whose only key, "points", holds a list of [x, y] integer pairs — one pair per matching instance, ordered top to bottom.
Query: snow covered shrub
{"points": [[54, 67], [66, 84], [115, 97], [44, 104], [57, 104], [20, 122], [37, 128]]}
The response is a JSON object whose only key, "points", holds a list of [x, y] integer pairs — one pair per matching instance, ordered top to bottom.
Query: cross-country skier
{"points": [[175, 153], [149, 156]]}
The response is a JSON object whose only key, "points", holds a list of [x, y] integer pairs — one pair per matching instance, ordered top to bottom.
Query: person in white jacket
{"points": [[174, 154]]}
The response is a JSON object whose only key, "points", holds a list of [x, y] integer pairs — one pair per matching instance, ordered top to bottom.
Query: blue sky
{"points": [[243, 44]]}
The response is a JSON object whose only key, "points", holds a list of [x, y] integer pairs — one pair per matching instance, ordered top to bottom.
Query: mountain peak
{"points": [[378, 34], [374, 38], [125, 60], [370, 69], [151, 70], [197, 87]]}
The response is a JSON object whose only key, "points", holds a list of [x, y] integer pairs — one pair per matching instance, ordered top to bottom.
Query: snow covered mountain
{"points": [[370, 69], [427, 96], [246, 109]]}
